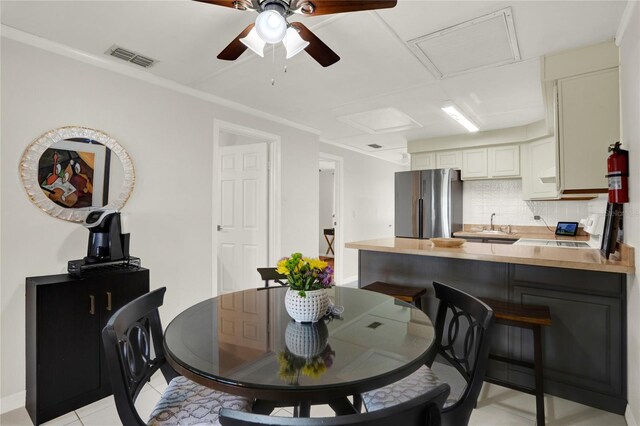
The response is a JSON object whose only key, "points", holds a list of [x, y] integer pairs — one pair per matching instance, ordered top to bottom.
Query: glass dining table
{"points": [[245, 343]]}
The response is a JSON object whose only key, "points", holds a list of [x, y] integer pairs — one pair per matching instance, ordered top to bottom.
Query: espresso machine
{"points": [[107, 246]]}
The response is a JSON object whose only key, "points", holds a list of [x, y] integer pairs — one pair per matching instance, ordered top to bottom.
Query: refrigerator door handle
{"points": [[420, 222]]}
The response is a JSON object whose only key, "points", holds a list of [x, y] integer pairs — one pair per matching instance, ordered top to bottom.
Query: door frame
{"points": [[274, 192], [338, 197]]}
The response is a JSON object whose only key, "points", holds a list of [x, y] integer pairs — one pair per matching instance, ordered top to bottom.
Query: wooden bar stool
{"points": [[329, 232], [268, 274], [400, 292], [533, 318]]}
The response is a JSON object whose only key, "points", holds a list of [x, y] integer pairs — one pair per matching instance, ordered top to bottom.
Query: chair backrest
{"points": [[270, 274], [463, 327], [132, 342], [423, 410]]}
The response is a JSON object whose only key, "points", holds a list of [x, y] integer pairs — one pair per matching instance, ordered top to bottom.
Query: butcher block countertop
{"points": [[556, 257]]}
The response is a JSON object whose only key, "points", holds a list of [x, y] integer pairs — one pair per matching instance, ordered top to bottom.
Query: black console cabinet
{"points": [[66, 367]]}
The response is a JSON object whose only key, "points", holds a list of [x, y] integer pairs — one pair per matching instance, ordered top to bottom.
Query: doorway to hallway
{"points": [[329, 214]]}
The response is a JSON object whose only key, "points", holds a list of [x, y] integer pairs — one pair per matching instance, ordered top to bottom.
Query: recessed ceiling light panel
{"points": [[453, 112], [383, 120]]}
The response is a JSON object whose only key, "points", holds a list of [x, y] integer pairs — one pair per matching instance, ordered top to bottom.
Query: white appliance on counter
{"points": [[593, 225]]}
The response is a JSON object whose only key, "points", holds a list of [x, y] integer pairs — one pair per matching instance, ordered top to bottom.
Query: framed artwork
{"points": [[71, 170], [74, 173]]}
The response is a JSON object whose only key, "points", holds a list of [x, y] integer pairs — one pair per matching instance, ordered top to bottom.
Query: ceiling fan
{"points": [[271, 25]]}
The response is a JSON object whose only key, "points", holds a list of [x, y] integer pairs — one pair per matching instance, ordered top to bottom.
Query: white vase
{"points": [[310, 308], [306, 340]]}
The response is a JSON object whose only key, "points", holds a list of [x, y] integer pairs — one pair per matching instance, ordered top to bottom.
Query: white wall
{"points": [[630, 110], [169, 137], [504, 198], [325, 208], [368, 209]]}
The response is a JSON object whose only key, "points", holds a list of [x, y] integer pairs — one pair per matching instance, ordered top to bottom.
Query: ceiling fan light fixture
{"points": [[271, 26], [254, 42], [293, 43], [458, 116]]}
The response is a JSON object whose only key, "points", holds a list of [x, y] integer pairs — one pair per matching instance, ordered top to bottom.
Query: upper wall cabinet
{"points": [[588, 122], [449, 160], [423, 161], [504, 161], [494, 162], [474, 164], [539, 178]]}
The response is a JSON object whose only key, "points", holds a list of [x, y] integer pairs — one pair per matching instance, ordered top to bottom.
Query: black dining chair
{"points": [[270, 274], [462, 334], [132, 342], [423, 411]]}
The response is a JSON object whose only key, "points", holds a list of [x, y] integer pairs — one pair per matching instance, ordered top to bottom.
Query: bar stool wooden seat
{"points": [[270, 274], [400, 292], [532, 317]]}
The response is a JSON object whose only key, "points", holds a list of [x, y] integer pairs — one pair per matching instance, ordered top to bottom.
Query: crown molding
{"points": [[127, 70], [350, 148]]}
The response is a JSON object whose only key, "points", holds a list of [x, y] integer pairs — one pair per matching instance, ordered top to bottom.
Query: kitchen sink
{"points": [[494, 232]]}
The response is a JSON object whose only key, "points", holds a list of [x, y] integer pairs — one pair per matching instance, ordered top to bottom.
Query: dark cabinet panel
{"points": [[72, 345], [584, 347], [66, 367]]}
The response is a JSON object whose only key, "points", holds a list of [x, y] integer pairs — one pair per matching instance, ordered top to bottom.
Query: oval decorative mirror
{"points": [[70, 170]]}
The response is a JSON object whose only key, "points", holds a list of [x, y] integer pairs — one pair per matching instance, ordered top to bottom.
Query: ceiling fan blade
{"points": [[234, 4], [326, 7], [236, 47], [316, 48]]}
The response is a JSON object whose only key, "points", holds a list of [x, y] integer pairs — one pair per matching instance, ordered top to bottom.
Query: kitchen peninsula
{"points": [[584, 348]]}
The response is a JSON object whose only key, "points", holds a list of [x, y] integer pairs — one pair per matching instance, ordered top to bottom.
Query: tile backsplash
{"points": [[503, 197]]}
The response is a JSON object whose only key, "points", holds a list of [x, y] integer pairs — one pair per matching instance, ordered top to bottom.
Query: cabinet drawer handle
{"points": [[92, 301], [109, 301]]}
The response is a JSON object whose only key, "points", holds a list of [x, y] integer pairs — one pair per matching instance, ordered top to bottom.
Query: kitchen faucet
{"points": [[492, 215]]}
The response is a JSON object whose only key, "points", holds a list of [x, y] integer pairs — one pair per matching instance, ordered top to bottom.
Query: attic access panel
{"points": [[489, 40], [378, 121]]}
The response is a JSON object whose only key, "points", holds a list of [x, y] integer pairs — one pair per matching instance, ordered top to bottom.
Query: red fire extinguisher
{"points": [[618, 173]]}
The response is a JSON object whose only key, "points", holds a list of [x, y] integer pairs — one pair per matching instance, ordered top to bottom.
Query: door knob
{"points": [[220, 228]]}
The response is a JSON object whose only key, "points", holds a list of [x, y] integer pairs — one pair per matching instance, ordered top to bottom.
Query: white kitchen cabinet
{"points": [[588, 122], [449, 159], [423, 161], [504, 161], [494, 162], [474, 164], [539, 171]]}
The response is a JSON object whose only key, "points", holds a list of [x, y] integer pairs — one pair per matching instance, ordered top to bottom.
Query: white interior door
{"points": [[242, 231]]}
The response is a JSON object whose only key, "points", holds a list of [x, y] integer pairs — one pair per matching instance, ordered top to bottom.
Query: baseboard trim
{"points": [[12, 402], [628, 416]]}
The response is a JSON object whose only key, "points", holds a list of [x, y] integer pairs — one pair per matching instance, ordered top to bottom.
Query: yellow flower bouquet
{"points": [[305, 273], [291, 366]]}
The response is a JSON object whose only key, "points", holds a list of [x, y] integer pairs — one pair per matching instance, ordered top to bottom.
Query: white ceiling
{"points": [[377, 68]]}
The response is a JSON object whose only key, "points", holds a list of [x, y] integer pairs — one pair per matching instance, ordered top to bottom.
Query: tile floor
{"points": [[497, 406]]}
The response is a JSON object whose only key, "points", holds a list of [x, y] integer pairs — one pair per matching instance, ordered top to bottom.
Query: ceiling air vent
{"points": [[487, 41], [129, 56], [375, 145]]}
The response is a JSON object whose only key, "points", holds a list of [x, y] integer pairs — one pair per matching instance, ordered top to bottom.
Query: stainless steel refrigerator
{"points": [[428, 203]]}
